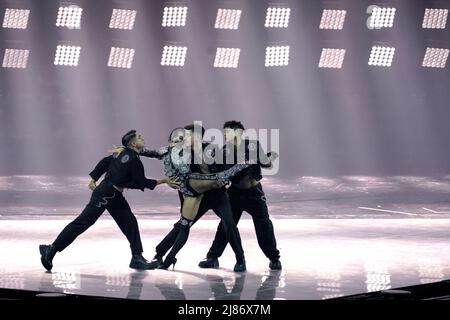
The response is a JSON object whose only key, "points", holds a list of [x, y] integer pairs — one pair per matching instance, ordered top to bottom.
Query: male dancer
{"points": [[123, 170], [246, 194], [216, 200]]}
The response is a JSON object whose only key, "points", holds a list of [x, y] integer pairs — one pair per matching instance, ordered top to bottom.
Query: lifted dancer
{"points": [[123, 170], [197, 181]]}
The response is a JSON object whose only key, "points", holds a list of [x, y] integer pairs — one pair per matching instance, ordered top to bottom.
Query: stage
{"points": [[337, 237]]}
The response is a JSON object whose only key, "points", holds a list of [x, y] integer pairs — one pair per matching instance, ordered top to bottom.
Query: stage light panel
{"points": [[174, 16], [277, 17], [16, 18], [435, 18], [122, 19], [332, 19], [67, 55], [174, 56], [277, 56], [381, 56], [121, 57], [15, 58], [227, 58], [332, 58], [435, 58]]}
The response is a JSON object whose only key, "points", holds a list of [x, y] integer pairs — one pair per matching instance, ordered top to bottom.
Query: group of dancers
{"points": [[227, 187]]}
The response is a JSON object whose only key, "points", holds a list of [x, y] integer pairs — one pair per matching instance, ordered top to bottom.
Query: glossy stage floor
{"points": [[337, 236]]}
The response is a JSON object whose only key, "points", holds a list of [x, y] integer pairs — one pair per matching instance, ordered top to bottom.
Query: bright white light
{"points": [[174, 16], [69, 17], [277, 17], [16, 18], [382, 18], [122, 19], [228, 19], [333, 19], [435, 19], [67, 55], [173, 56], [277, 56], [381, 56], [15, 58], [121, 58], [227, 58], [332, 58], [435, 58]]}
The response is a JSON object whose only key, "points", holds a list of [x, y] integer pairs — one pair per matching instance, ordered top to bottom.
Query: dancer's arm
{"points": [[157, 154], [264, 160], [101, 168], [141, 182]]}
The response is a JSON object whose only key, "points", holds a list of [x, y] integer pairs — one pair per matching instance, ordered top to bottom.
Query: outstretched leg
{"points": [[91, 213]]}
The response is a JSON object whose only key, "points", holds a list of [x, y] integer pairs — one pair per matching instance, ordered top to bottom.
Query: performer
{"points": [[123, 170], [194, 184], [246, 194]]}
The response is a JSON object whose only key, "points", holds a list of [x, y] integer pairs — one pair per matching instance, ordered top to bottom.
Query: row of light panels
{"points": [[276, 17], [276, 56]]}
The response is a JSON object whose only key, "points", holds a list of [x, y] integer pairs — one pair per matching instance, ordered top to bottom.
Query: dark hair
{"points": [[233, 124], [195, 127], [173, 131], [127, 137]]}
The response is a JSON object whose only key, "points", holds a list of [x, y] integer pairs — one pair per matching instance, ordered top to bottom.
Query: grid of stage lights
{"points": [[174, 16], [69, 17], [277, 17], [16, 18], [382, 18], [122, 19], [228, 19], [332, 19], [435, 19], [67, 55], [173, 56], [277, 56], [381, 56], [15, 58], [121, 58], [227, 58], [332, 58], [435, 58]]}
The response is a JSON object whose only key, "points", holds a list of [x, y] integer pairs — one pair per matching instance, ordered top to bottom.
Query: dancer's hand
{"points": [[163, 150], [272, 156], [173, 182], [219, 184], [92, 185]]}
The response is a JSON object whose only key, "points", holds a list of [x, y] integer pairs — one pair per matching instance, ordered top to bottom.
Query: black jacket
{"points": [[124, 170]]}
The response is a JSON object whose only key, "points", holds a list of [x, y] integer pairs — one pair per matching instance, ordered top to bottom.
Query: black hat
{"points": [[128, 137]]}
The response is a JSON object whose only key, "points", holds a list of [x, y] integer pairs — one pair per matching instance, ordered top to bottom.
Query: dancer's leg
{"points": [[190, 208]]}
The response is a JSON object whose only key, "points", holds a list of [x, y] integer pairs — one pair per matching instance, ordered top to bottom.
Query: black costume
{"points": [[123, 170], [216, 200], [252, 200]]}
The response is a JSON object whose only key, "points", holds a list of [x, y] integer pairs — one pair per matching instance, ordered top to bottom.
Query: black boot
{"points": [[182, 236], [47, 254], [138, 262], [156, 262], [167, 263], [209, 263], [275, 265], [240, 266]]}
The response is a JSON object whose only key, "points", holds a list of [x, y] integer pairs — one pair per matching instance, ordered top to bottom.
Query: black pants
{"points": [[104, 197], [218, 201], [253, 201]]}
